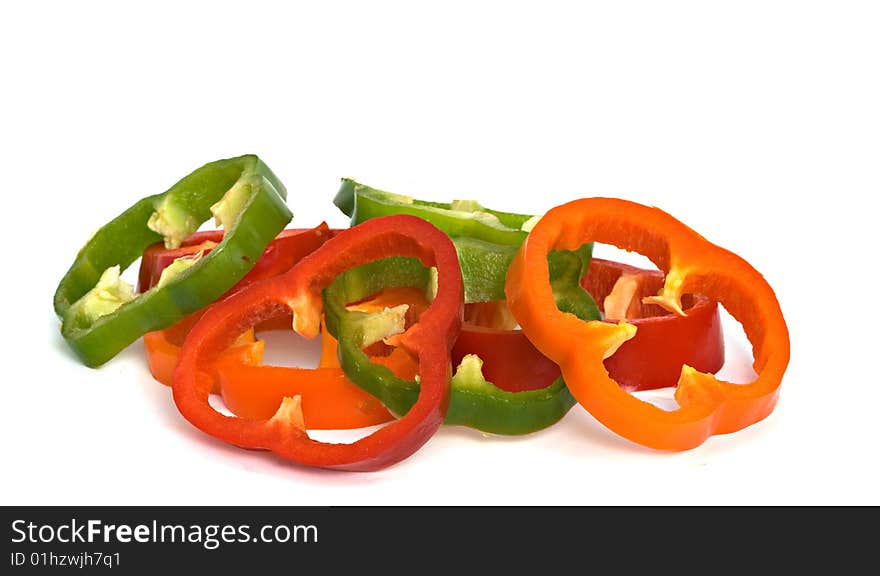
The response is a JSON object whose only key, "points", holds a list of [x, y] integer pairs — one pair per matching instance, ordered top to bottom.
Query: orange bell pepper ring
{"points": [[692, 265], [163, 352], [251, 390], [330, 400]]}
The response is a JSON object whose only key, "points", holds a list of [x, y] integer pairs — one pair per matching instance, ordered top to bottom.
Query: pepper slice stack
{"points": [[411, 290]]}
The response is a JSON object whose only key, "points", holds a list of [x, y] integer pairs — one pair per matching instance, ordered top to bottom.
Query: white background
{"points": [[754, 122]]}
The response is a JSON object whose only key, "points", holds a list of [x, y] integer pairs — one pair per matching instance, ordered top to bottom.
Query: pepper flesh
{"points": [[262, 213], [692, 265], [299, 290]]}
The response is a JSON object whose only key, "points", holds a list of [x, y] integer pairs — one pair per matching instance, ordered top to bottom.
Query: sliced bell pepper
{"points": [[461, 218], [486, 240], [279, 256], [692, 265], [299, 290], [101, 315], [664, 342], [162, 348], [653, 358], [508, 359], [510, 363], [250, 390], [330, 401], [474, 401]]}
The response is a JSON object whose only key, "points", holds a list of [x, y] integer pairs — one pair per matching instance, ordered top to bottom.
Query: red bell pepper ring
{"points": [[299, 291], [664, 342], [510, 361]]}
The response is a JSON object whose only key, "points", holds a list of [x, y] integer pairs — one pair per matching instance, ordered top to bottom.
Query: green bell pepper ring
{"points": [[459, 218], [486, 240], [102, 315], [473, 402]]}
